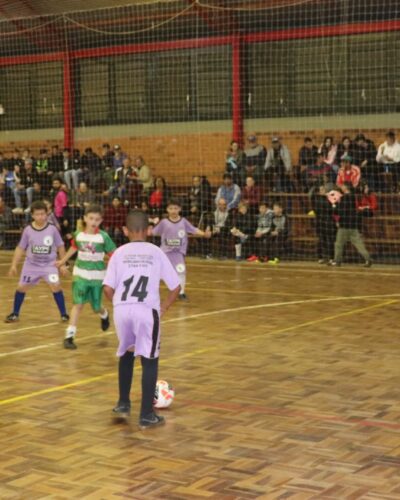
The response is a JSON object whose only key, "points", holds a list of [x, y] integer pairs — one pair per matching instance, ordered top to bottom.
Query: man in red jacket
{"points": [[114, 219]]}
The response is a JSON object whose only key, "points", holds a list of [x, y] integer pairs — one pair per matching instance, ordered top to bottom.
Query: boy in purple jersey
{"points": [[174, 233], [40, 243], [132, 282]]}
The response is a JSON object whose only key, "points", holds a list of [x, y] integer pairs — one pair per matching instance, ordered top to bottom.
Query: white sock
{"points": [[238, 249], [182, 279], [104, 314], [70, 332]]}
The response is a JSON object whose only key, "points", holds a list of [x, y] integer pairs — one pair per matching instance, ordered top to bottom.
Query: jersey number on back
{"points": [[139, 291]]}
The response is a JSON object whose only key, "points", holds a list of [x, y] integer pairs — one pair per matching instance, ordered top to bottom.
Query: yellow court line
{"points": [[191, 354]]}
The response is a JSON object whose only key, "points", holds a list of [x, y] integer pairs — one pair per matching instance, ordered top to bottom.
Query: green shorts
{"points": [[84, 291]]}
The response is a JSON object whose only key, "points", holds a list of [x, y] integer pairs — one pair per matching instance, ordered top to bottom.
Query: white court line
{"points": [[14, 330]]}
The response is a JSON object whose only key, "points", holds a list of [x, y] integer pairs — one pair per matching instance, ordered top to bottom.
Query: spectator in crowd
{"points": [[344, 148], [329, 151], [27, 155], [255, 155], [118, 157], [365, 158], [389, 158], [16, 159], [307, 159], [3, 161], [56, 161], [107, 162], [235, 163], [278, 166], [91, 168], [42, 169], [70, 169], [320, 172], [348, 173], [144, 175], [25, 178], [123, 178], [229, 191], [251, 195], [159, 197], [199, 198], [60, 199], [79, 200], [367, 201], [51, 218], [114, 219], [6, 221], [264, 222], [325, 224], [348, 226], [221, 227], [243, 231], [275, 239]]}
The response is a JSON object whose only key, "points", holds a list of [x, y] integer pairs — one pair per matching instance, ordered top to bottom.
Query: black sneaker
{"points": [[368, 263], [182, 296], [11, 318], [64, 318], [105, 323], [69, 343], [122, 410], [151, 420]]}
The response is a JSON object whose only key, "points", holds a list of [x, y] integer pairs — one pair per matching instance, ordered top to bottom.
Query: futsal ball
{"points": [[164, 394]]}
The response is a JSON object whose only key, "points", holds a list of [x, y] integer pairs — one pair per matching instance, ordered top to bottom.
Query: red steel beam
{"points": [[237, 101], [68, 104]]}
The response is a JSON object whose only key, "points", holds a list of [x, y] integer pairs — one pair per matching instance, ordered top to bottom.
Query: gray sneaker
{"points": [[151, 420]]}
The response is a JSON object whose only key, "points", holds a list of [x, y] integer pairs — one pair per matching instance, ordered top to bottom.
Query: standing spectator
{"points": [[345, 148], [329, 151], [255, 155], [118, 157], [389, 157], [365, 158], [307, 159], [56, 161], [235, 163], [278, 166], [91, 168], [70, 169], [348, 173], [144, 175], [229, 191], [251, 195], [159, 197], [199, 198], [60, 199], [367, 202], [114, 220], [6, 221], [325, 224], [348, 226], [243, 231], [275, 239]]}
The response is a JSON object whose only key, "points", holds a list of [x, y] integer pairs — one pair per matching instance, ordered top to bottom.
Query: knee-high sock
{"points": [[238, 249], [182, 279], [59, 299], [18, 300], [125, 376], [149, 381]]}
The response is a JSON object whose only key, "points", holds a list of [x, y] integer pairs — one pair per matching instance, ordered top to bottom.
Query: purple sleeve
{"points": [[158, 229], [190, 229], [24, 241], [58, 241], [168, 273], [111, 274]]}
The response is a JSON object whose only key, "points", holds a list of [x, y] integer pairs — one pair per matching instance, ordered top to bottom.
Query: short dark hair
{"points": [[391, 134], [307, 139], [227, 176], [174, 201], [38, 205], [94, 209], [137, 221]]}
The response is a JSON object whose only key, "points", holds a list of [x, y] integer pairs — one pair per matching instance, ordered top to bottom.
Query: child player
{"points": [[174, 239], [40, 243], [92, 245], [132, 282]]}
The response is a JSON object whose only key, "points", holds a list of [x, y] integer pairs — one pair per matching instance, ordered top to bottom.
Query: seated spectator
{"points": [[345, 148], [329, 152], [27, 155], [255, 155], [118, 157], [365, 158], [389, 158], [16, 159], [307, 159], [56, 161], [107, 162], [235, 163], [278, 166], [42, 169], [70, 169], [91, 169], [319, 173], [348, 173], [145, 177], [123, 178], [24, 181], [229, 191], [251, 195], [159, 197], [199, 198], [78, 201], [366, 202], [51, 218], [114, 219], [6, 221], [264, 221], [325, 224], [348, 226], [221, 227], [243, 231], [274, 242]]}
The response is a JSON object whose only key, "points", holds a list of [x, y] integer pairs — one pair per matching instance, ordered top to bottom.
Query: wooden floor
{"points": [[287, 387]]}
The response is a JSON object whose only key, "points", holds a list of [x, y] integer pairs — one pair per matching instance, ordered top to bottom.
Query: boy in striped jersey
{"points": [[92, 245]]}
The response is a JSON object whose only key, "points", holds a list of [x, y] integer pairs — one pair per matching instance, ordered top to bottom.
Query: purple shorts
{"points": [[177, 259], [31, 275], [139, 327]]}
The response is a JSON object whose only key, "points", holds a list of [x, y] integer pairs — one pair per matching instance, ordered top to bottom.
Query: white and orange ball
{"points": [[164, 394]]}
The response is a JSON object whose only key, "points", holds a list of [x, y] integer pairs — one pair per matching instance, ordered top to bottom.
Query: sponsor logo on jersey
{"points": [[48, 240], [173, 242], [41, 249]]}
